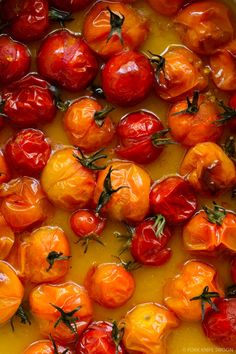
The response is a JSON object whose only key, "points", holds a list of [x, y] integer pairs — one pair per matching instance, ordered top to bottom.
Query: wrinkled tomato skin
{"points": [[70, 5], [166, 8], [28, 19], [97, 27], [15, 60], [66, 60], [127, 78], [29, 102], [232, 104], [135, 132], [28, 151], [5, 174], [174, 198], [86, 222], [233, 270], [220, 326], [97, 339], [45, 346]]}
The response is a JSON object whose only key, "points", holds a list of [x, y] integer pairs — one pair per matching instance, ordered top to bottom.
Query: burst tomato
{"points": [[70, 5], [166, 8], [205, 26], [111, 27], [66, 60], [127, 78], [88, 125], [28, 151], [4, 169], [174, 198], [86, 222], [7, 238], [233, 270], [72, 302], [146, 327], [46, 346]]}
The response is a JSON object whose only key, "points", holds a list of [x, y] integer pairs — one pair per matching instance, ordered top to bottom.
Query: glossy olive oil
{"points": [[188, 338]]}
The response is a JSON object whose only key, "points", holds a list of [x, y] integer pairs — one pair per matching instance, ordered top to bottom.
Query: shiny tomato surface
{"points": [[86, 222]]}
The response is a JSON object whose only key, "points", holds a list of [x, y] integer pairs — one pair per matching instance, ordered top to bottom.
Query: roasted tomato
{"points": [[70, 5], [165, 7], [205, 26], [111, 27], [14, 60], [66, 60], [178, 72], [127, 78], [28, 102], [228, 116], [194, 121], [88, 125], [142, 137], [28, 151], [4, 169], [208, 169], [122, 191], [174, 198], [23, 203], [86, 222], [209, 230], [7, 238], [42, 256], [233, 270], [110, 284], [180, 290], [11, 292], [62, 310], [146, 327], [100, 338], [46, 346]]}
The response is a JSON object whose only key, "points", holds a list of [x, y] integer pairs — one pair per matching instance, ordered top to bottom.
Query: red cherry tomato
{"points": [[70, 5], [14, 60], [66, 60], [127, 78], [29, 102], [229, 114], [140, 136], [28, 151], [5, 175], [174, 198], [86, 222], [98, 339]]}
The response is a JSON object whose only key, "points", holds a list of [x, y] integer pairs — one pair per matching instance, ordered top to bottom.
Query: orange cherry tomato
{"points": [[167, 8], [205, 26], [111, 27], [223, 67], [183, 73], [194, 121], [87, 125], [4, 169], [208, 169], [127, 198], [23, 203], [7, 238], [42, 256], [191, 281], [110, 284], [11, 292], [70, 299], [146, 327], [45, 346]]}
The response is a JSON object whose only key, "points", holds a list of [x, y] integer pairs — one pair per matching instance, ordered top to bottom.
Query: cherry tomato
{"points": [[70, 5], [165, 7], [205, 26], [111, 27], [14, 60], [66, 60], [178, 72], [127, 78], [29, 102], [229, 116], [193, 121], [87, 125], [141, 135], [28, 151], [4, 169], [208, 169], [122, 192], [174, 198], [23, 203], [86, 222], [7, 238], [42, 256], [233, 270], [110, 284], [180, 290], [11, 292], [70, 299], [146, 327], [98, 339], [45, 346]]}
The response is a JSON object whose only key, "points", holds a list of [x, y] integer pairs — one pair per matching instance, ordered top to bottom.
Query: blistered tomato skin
{"points": [[70, 5], [166, 8], [205, 26], [97, 28], [15, 60], [66, 60], [127, 78], [28, 151], [5, 174], [174, 198], [86, 222], [7, 238], [110, 284], [146, 327], [45, 346]]}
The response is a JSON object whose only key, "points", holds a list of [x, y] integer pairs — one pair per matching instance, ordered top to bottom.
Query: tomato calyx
{"points": [[59, 16], [116, 22], [159, 63], [97, 91], [192, 106], [228, 114], [100, 116], [159, 139], [229, 148], [89, 161], [215, 215], [159, 224], [125, 238], [85, 241], [55, 256], [129, 265], [231, 292], [206, 297], [22, 315], [67, 318], [117, 334], [55, 346]]}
